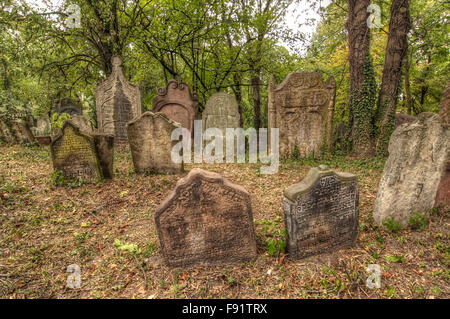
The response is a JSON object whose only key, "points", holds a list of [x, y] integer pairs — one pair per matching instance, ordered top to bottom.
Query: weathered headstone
{"points": [[118, 102], [177, 102], [69, 106], [445, 106], [302, 108], [401, 119], [82, 123], [21, 131], [5, 132], [150, 143], [104, 146], [74, 154], [418, 155], [321, 213], [206, 220]]}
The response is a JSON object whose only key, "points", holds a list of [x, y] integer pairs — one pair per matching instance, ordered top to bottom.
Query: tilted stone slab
{"points": [[118, 102], [177, 102], [302, 108], [21, 131], [151, 143], [75, 155], [418, 156], [321, 213], [206, 220]]}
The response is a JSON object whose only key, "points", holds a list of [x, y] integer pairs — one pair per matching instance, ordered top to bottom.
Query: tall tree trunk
{"points": [[392, 71], [256, 86], [237, 89], [409, 101], [360, 121]]}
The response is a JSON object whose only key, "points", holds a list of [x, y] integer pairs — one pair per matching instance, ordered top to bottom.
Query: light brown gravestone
{"points": [[118, 102], [177, 102], [302, 108], [82, 123], [150, 142], [75, 155], [418, 157], [443, 192], [321, 213], [206, 220]]}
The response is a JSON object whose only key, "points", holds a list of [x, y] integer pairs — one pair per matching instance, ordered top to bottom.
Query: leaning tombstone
{"points": [[118, 102], [177, 102], [302, 108], [21, 131], [150, 138], [104, 146], [74, 154], [418, 156], [321, 213], [206, 220]]}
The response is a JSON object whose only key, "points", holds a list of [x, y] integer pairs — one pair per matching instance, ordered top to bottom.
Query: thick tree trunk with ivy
{"points": [[396, 50], [362, 81]]}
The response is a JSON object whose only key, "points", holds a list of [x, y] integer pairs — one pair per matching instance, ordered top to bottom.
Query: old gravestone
{"points": [[118, 102], [177, 102], [69, 106], [302, 108], [82, 123], [21, 131], [5, 132], [150, 143], [76, 155], [418, 155], [443, 192], [321, 213], [206, 220]]}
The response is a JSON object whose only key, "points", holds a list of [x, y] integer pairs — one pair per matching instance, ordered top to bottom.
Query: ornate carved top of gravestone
{"points": [[118, 102], [177, 102], [445, 105], [69, 106], [302, 108], [221, 111], [151, 144], [74, 154], [418, 155], [321, 212], [206, 220]]}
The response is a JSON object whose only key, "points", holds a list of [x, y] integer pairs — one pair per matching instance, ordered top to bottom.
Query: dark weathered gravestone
{"points": [[118, 102], [177, 102], [69, 106], [302, 108], [151, 144], [104, 146], [74, 154], [418, 157], [321, 213], [206, 220]]}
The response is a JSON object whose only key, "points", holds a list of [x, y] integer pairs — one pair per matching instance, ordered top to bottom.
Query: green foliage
{"points": [[59, 119], [58, 178], [417, 221], [391, 225], [274, 237], [131, 249], [395, 258]]}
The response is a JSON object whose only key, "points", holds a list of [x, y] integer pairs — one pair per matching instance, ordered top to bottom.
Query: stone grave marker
{"points": [[118, 102], [177, 102], [69, 106], [302, 108], [21, 131], [5, 132], [151, 145], [104, 146], [74, 154], [418, 156], [321, 213], [206, 220]]}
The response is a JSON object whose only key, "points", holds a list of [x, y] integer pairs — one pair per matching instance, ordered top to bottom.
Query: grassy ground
{"points": [[108, 230]]}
